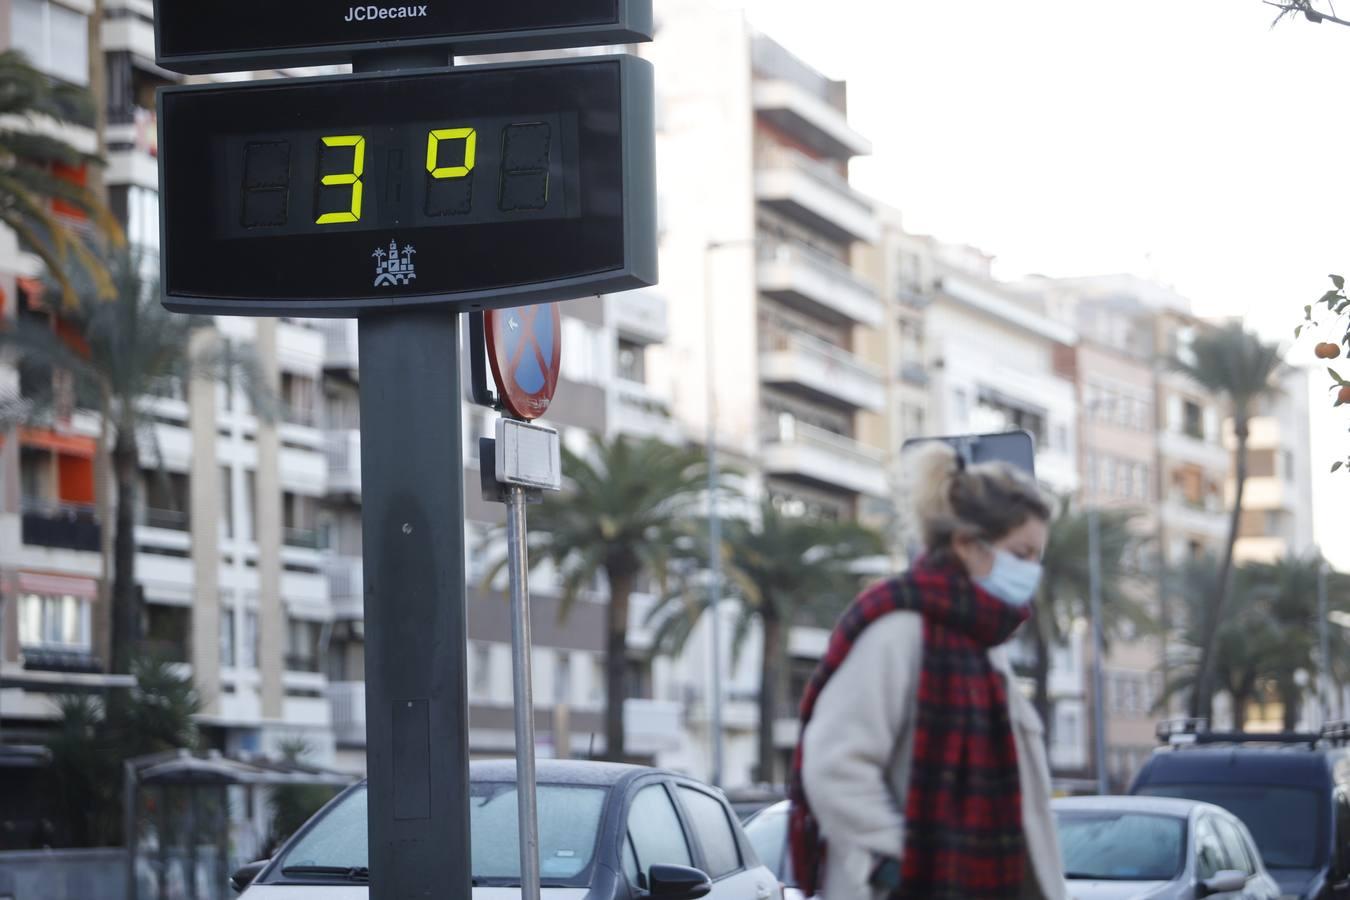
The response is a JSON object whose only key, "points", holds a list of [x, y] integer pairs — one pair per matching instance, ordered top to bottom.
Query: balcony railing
{"points": [[821, 172], [825, 264], [340, 343], [823, 352], [305, 416], [821, 439], [343, 452], [169, 519], [67, 526], [305, 538], [302, 662], [347, 700]]}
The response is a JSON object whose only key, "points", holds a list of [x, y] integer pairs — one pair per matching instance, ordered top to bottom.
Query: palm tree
{"points": [[30, 180], [124, 349], [1237, 365], [624, 514], [787, 571], [1065, 586], [1288, 588], [1244, 644]]}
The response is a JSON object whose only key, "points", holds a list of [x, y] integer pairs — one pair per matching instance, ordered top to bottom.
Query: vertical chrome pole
{"points": [[1324, 638], [521, 642]]}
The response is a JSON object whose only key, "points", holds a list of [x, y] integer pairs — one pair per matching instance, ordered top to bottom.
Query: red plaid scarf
{"points": [[963, 818]]}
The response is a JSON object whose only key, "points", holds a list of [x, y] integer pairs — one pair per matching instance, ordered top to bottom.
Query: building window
{"points": [[55, 39], [143, 221], [583, 353], [632, 362], [1192, 420], [54, 623], [302, 645], [227, 646], [249, 651]]}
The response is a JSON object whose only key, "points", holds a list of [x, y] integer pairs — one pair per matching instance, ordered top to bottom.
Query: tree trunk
{"points": [[126, 611], [616, 660], [771, 677], [1241, 698], [1202, 700], [1293, 704]]}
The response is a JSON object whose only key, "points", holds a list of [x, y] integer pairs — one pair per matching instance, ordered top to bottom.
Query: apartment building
{"points": [[767, 336], [603, 391], [54, 620]]}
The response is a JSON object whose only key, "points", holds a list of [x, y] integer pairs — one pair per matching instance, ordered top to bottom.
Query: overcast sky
{"points": [[1180, 139]]}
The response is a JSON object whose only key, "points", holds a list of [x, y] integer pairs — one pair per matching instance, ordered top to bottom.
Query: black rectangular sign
{"points": [[196, 36], [475, 187]]}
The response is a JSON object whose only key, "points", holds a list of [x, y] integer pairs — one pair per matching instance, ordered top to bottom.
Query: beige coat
{"points": [[859, 746]]}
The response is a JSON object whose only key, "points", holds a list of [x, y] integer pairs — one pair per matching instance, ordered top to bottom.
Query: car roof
{"points": [[1225, 765], [553, 771], [1158, 806]]}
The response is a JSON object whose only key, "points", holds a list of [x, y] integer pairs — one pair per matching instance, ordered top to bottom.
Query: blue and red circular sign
{"points": [[525, 352]]}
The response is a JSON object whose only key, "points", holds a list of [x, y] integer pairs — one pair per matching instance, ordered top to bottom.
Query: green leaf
{"points": [[1339, 282], [1330, 297], [1307, 312], [1298, 331], [1339, 379], [1336, 466]]}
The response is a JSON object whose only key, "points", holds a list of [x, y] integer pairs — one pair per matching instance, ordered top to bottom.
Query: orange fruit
{"points": [[1327, 350], [1344, 395]]}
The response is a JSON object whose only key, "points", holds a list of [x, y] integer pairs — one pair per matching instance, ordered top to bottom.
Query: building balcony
{"points": [[128, 27], [808, 119], [133, 148], [815, 195], [815, 282], [640, 316], [339, 344], [822, 371], [641, 414], [1180, 446], [797, 451], [343, 452], [1207, 518], [165, 519], [57, 525], [302, 538], [346, 586], [347, 703], [652, 726]]}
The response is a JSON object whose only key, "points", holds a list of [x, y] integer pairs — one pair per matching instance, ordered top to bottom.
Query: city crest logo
{"points": [[393, 267]]}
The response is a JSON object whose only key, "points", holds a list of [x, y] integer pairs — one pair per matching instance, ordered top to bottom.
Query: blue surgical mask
{"points": [[1012, 580]]}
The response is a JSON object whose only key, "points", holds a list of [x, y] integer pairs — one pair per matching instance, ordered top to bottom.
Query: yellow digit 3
{"points": [[353, 178]]}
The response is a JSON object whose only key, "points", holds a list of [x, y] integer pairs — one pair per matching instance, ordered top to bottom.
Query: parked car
{"points": [[1291, 790], [606, 832], [768, 832], [1147, 848]]}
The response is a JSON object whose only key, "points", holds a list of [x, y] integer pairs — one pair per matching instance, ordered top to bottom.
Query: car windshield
{"points": [[1284, 821], [569, 823], [768, 834], [1122, 846]]}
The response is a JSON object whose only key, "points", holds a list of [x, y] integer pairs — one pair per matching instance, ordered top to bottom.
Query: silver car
{"points": [[1153, 848]]}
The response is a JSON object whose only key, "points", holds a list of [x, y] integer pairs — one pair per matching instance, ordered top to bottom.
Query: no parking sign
{"points": [[525, 351]]}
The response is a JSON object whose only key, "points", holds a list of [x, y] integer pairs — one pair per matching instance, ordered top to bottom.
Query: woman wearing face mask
{"points": [[921, 770]]}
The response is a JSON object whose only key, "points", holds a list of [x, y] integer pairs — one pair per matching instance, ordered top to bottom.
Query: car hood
{"points": [[1298, 882], [1120, 890], [360, 892]]}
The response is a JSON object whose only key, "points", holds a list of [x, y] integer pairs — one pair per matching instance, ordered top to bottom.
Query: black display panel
{"points": [[233, 35], [481, 186]]}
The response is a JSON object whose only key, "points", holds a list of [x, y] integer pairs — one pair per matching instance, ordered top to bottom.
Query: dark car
{"points": [[1292, 791], [606, 832]]}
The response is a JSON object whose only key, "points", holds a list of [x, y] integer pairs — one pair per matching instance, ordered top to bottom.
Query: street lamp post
{"points": [[714, 519], [1324, 638]]}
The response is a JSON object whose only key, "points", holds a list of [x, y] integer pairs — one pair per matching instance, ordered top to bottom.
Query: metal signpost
{"points": [[406, 194], [524, 349]]}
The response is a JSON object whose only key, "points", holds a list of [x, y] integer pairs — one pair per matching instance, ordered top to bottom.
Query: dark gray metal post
{"points": [[417, 722]]}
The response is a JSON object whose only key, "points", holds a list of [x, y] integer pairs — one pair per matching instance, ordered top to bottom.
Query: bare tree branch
{"points": [[1307, 9]]}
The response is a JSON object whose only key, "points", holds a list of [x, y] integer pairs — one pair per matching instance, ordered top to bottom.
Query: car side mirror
{"points": [[244, 875], [1224, 882], [677, 883]]}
